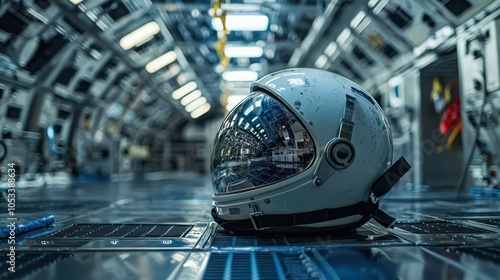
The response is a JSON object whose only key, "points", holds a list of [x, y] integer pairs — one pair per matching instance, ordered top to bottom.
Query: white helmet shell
{"points": [[339, 141]]}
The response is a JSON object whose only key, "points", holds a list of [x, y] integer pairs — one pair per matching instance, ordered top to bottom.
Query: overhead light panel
{"points": [[258, 1], [76, 2], [372, 3], [379, 6], [357, 19], [242, 23], [140, 35], [343, 36], [330, 50], [243, 51], [161, 61], [321, 61], [240, 76], [185, 89], [190, 97], [233, 100], [195, 104], [200, 111]]}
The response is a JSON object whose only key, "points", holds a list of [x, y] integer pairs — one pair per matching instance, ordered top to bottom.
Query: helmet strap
{"points": [[384, 184], [366, 209]]}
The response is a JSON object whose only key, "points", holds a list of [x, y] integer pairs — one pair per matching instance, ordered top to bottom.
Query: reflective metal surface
{"points": [[260, 143], [161, 229], [111, 265]]}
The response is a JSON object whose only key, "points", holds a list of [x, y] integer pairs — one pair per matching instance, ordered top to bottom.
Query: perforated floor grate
{"points": [[438, 228], [121, 231], [243, 241], [27, 263], [252, 265]]}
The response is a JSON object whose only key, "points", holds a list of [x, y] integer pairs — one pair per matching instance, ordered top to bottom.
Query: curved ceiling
{"points": [[156, 57]]}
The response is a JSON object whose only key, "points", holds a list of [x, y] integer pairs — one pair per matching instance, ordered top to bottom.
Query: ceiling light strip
{"points": [[246, 22], [140, 35], [243, 51], [161, 61], [240, 76], [187, 88], [190, 97], [195, 104], [203, 109]]}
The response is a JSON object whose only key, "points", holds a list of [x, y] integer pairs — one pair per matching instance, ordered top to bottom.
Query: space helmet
{"points": [[306, 150]]}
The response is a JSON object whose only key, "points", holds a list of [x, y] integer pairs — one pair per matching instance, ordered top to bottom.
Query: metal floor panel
{"points": [[162, 229], [121, 231], [98, 265], [260, 265]]}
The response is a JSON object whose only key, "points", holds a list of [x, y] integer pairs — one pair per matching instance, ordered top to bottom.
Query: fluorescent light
{"points": [[258, 1], [76, 2], [372, 3], [380, 6], [357, 19], [242, 23], [364, 23], [140, 35], [343, 36], [330, 50], [243, 51], [161, 61], [321, 61], [242, 76], [183, 78], [187, 88], [190, 97], [233, 100], [195, 104], [200, 110]]}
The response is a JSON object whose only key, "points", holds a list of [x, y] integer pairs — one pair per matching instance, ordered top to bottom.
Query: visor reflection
{"points": [[260, 143]]}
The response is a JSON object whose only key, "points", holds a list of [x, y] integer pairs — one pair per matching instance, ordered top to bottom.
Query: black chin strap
{"points": [[384, 184], [380, 187], [261, 222]]}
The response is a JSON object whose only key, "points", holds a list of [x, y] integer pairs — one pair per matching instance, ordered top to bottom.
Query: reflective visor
{"points": [[259, 143]]}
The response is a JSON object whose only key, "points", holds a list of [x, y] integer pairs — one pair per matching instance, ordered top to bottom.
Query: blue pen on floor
{"points": [[26, 227]]}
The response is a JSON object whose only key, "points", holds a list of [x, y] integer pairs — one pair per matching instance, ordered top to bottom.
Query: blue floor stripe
{"points": [[229, 264], [279, 268], [255, 269]]}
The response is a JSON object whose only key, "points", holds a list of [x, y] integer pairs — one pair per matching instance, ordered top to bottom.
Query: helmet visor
{"points": [[259, 143]]}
